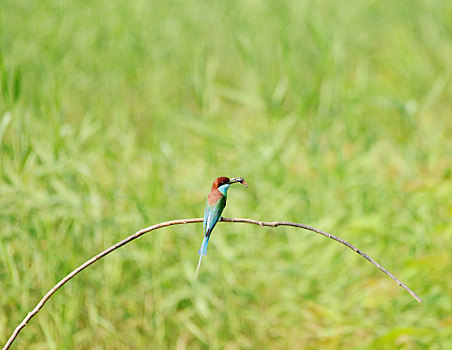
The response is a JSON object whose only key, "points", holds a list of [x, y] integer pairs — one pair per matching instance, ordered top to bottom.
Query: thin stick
{"points": [[190, 221], [329, 235], [85, 265]]}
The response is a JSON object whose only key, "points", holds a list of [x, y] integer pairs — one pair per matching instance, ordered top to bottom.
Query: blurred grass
{"points": [[116, 115]]}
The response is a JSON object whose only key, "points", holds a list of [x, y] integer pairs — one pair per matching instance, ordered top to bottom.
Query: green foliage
{"points": [[116, 115]]}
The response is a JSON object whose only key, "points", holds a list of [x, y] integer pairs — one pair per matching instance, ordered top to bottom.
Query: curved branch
{"points": [[190, 221], [329, 235]]}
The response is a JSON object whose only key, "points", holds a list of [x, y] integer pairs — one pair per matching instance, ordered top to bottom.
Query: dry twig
{"points": [[191, 221]]}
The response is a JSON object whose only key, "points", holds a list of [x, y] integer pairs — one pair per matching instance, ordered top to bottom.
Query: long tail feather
{"points": [[204, 244], [202, 251], [199, 265]]}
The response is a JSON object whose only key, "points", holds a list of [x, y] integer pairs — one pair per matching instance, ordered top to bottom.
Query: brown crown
{"points": [[219, 181]]}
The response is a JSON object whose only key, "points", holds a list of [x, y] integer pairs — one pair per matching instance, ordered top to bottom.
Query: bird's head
{"points": [[222, 183]]}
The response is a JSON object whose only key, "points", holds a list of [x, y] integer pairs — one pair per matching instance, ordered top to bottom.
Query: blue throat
{"points": [[224, 190]]}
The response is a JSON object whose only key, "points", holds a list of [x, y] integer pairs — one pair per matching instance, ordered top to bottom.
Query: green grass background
{"points": [[115, 115]]}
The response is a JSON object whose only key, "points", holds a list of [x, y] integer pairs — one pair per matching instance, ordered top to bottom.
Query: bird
{"points": [[216, 201]]}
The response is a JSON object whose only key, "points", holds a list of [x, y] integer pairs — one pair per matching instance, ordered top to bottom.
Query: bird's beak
{"points": [[238, 179]]}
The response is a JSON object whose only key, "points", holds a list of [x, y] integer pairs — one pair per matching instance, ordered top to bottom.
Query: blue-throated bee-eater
{"points": [[216, 201]]}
